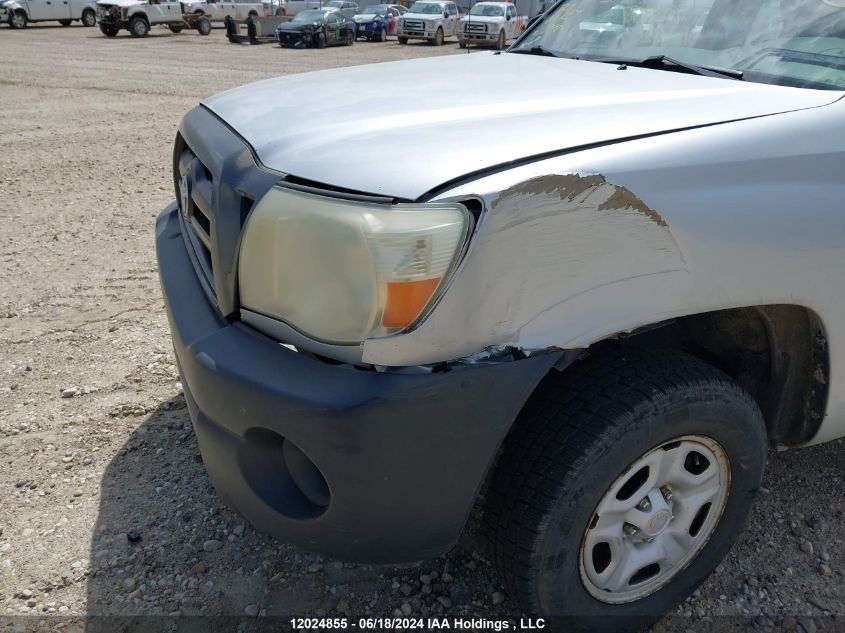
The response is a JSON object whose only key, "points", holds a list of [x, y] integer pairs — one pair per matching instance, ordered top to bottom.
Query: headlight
{"points": [[342, 271]]}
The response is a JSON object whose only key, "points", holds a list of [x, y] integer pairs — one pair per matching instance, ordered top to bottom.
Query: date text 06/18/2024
{"points": [[422, 624]]}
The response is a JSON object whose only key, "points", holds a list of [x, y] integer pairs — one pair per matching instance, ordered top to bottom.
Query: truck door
{"points": [[41, 10], [510, 22], [450, 23]]}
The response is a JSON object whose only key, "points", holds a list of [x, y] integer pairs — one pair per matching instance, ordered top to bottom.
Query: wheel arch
{"points": [[778, 353]]}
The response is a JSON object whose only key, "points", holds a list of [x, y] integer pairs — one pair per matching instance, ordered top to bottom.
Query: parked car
{"points": [[344, 7], [216, 10], [18, 13], [137, 16], [378, 21], [432, 21], [491, 24], [316, 29], [598, 297]]}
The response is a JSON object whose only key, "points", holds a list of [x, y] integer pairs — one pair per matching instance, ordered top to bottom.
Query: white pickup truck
{"points": [[18, 13], [137, 16], [427, 20], [491, 24]]}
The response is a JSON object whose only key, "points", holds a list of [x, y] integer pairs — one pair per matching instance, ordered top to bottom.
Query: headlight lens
{"points": [[342, 271]]}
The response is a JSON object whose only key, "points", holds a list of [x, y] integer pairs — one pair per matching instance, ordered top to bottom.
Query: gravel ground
{"points": [[105, 508]]}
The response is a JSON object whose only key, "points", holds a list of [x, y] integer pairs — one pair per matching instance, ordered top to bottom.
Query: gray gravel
{"points": [[105, 507]]}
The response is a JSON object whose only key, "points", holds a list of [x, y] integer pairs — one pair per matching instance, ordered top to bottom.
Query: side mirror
{"points": [[508, 17]]}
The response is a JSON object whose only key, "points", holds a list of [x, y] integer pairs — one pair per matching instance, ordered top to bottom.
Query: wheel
{"points": [[89, 18], [18, 20], [65, 22], [203, 26], [138, 27], [175, 28], [109, 30], [382, 36], [350, 38], [438, 38], [321, 40], [402, 40], [500, 41], [462, 43], [621, 487]]}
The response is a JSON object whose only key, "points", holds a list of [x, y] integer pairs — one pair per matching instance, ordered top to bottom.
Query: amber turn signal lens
{"points": [[406, 299]]}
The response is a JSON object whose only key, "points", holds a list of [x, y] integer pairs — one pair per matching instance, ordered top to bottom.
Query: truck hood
{"points": [[120, 3], [486, 19], [440, 118]]}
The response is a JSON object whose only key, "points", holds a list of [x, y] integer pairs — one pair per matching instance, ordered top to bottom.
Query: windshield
{"points": [[426, 7], [376, 9], [489, 10], [308, 16], [788, 42]]}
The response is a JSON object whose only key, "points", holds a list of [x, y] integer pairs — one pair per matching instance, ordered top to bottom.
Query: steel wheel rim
{"points": [[654, 519]]}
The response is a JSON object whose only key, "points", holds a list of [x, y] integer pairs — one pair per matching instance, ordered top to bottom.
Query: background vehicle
{"points": [[295, 6], [346, 8], [216, 11], [20, 12], [137, 17], [378, 21], [432, 21], [491, 24], [316, 29]]}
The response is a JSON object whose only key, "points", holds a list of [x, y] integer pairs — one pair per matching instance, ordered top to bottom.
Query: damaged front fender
{"points": [[540, 243]]}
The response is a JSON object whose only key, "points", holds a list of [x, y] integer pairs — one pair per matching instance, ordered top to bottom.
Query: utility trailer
{"points": [[258, 30]]}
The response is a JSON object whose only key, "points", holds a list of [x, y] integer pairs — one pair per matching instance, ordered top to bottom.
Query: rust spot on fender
{"points": [[575, 190]]}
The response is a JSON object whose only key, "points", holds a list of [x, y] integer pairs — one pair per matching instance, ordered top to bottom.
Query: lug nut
{"points": [[666, 491], [644, 505], [630, 530]]}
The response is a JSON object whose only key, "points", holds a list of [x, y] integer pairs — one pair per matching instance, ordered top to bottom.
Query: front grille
{"points": [[413, 25], [475, 28], [217, 181], [196, 187]]}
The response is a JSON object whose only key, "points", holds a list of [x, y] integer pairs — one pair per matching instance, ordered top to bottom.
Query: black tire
{"points": [[89, 18], [18, 20], [65, 22], [203, 26], [138, 27], [175, 28], [109, 30], [382, 36], [438, 37], [350, 38], [321, 40], [402, 40], [500, 41], [462, 43], [575, 437]]}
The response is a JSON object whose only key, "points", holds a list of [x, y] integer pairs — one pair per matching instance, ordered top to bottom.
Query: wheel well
{"points": [[141, 15], [778, 353]]}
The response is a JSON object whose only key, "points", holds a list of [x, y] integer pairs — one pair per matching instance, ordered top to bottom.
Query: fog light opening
{"points": [[283, 476]]}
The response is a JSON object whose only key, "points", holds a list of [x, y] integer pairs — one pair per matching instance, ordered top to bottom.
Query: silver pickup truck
{"points": [[595, 300]]}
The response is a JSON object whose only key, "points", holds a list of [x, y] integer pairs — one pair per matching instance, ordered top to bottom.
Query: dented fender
{"points": [[542, 242]]}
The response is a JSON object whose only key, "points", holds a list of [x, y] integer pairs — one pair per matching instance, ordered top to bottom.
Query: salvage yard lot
{"points": [[104, 505]]}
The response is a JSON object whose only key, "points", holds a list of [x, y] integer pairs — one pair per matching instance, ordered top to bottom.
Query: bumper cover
{"points": [[403, 455]]}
